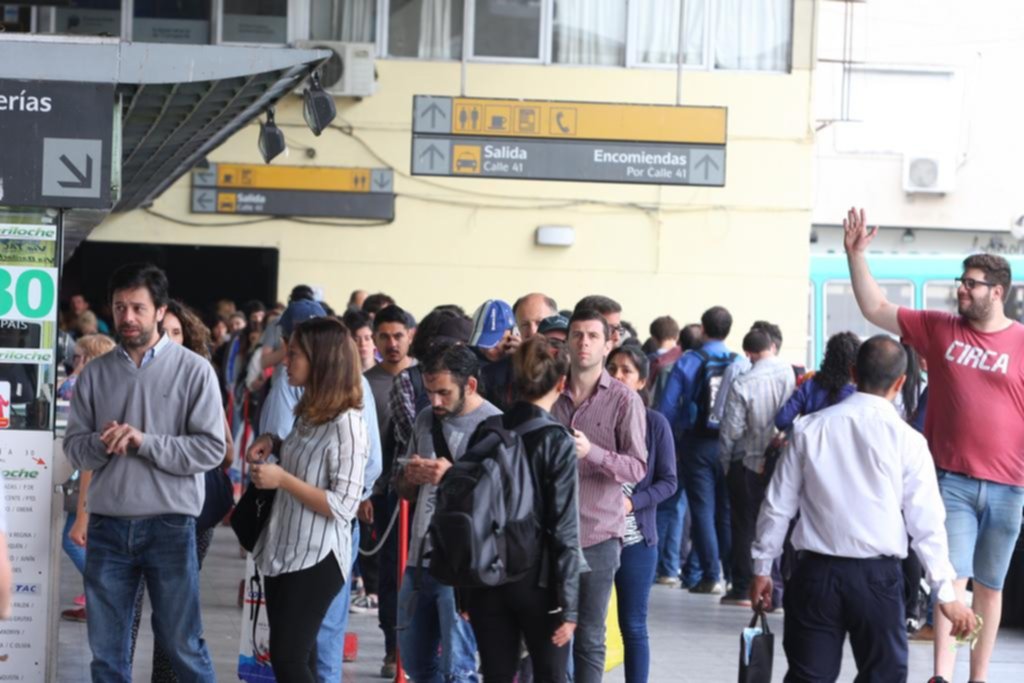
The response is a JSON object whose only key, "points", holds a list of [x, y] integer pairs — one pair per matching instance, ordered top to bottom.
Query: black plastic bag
{"points": [[757, 668]]}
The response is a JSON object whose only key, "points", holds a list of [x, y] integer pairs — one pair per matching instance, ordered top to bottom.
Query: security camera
{"points": [[1017, 228]]}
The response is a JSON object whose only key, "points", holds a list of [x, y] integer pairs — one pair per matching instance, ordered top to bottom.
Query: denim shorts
{"points": [[983, 520]]}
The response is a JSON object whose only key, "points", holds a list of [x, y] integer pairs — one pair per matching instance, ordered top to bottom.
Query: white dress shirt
{"points": [[862, 479]]}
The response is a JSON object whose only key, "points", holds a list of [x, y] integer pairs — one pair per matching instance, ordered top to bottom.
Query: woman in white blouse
{"points": [[305, 549]]}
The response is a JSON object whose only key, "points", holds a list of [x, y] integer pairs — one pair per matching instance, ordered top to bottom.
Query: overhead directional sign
{"points": [[581, 141], [56, 142], [329, 192]]}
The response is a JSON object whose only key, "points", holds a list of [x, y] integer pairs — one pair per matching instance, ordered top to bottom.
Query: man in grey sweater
{"points": [[147, 420]]}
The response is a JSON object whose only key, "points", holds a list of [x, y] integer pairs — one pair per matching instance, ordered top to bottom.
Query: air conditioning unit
{"points": [[350, 72], [928, 173]]}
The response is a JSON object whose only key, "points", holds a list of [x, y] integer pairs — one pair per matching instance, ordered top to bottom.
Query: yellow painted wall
{"points": [[655, 249]]}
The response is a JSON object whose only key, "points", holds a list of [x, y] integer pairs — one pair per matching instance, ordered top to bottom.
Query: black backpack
{"points": [[710, 375], [485, 530]]}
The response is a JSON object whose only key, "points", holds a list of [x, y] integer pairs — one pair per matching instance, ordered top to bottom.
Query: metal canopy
{"points": [[178, 102]]}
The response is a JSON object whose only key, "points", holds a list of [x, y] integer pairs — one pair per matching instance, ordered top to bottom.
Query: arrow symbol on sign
{"points": [[433, 110], [433, 154], [706, 162], [206, 178], [84, 180], [382, 182], [204, 199]]}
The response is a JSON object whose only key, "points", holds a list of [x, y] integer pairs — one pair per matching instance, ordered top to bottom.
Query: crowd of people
{"points": [[809, 490]]}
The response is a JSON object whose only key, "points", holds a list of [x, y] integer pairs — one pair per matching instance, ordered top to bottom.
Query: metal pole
{"points": [[403, 559]]}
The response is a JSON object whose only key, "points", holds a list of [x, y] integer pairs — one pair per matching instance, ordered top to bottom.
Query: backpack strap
{"points": [[534, 424], [440, 443]]}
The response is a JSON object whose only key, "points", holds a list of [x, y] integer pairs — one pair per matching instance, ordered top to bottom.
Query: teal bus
{"points": [[916, 281]]}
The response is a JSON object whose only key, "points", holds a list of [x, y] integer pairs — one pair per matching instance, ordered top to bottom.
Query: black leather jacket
{"points": [[553, 462]]}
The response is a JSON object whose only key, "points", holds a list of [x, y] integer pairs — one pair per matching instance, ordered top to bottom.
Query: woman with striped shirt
{"points": [[305, 549]]}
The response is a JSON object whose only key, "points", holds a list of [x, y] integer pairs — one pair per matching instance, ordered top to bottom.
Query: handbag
{"points": [[220, 498], [251, 514], [757, 650]]}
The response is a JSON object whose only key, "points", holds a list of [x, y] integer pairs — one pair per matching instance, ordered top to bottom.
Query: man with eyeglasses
{"points": [[973, 425]]}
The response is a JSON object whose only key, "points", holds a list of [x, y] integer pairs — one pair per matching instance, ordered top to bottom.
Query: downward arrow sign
{"points": [[84, 180]]}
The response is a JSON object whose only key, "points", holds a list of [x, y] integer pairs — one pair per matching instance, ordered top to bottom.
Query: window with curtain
{"points": [[255, 21], [350, 21], [507, 28], [427, 29], [658, 31], [589, 32], [755, 35]]}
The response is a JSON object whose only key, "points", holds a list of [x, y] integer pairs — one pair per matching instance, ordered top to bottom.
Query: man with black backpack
{"points": [[688, 402], [427, 615]]}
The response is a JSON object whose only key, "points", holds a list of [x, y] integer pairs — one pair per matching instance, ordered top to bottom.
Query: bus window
{"points": [[940, 295], [1014, 307], [841, 311]]}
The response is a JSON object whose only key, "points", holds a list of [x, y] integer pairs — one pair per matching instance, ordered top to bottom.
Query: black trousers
{"points": [[746, 493], [368, 564], [387, 568], [830, 597], [296, 605], [504, 616]]}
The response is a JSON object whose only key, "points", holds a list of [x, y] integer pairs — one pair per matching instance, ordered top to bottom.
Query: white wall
{"points": [[964, 102]]}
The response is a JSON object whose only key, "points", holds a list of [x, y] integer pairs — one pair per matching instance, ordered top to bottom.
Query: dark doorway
{"points": [[198, 275]]}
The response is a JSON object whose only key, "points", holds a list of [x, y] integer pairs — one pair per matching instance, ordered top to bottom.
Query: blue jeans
{"points": [[709, 504], [670, 515], [983, 520], [161, 550], [75, 552], [633, 588], [427, 620], [330, 640]]}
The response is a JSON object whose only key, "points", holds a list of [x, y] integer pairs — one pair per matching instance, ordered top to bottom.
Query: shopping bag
{"points": [[615, 649], [757, 650], [254, 651]]}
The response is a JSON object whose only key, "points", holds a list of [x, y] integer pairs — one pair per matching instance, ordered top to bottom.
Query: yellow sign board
{"points": [[588, 121], [311, 178]]}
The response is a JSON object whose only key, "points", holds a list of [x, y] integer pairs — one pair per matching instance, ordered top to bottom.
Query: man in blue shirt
{"points": [[687, 402], [278, 417]]}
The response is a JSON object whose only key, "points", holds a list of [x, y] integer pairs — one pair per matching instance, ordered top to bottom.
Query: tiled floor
{"points": [[692, 637]]}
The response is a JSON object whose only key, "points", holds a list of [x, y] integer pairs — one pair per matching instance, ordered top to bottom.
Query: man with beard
{"points": [[147, 420], [973, 425], [437, 644]]}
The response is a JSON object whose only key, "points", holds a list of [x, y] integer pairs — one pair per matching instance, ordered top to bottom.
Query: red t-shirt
{"points": [[975, 417]]}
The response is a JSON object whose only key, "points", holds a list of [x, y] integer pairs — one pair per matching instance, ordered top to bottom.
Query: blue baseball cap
{"points": [[299, 311], [490, 323]]}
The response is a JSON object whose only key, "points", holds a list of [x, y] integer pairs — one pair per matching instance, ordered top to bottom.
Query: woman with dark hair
{"points": [[183, 326], [830, 385], [305, 548], [633, 581], [541, 608]]}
